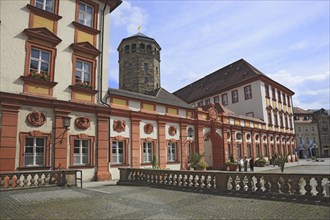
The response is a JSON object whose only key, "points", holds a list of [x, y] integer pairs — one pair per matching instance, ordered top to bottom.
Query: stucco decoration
{"points": [[212, 112], [36, 118], [82, 123], [119, 125], [148, 128], [172, 130]]}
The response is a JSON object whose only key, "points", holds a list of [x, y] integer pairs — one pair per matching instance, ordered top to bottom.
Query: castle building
{"points": [[57, 111], [323, 121], [307, 133]]}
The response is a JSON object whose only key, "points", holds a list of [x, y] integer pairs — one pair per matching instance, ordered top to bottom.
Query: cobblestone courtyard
{"points": [[101, 201]]}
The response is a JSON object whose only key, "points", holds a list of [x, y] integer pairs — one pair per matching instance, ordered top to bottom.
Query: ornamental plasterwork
{"points": [[212, 112], [36, 118], [82, 123], [119, 125], [148, 128], [172, 130]]}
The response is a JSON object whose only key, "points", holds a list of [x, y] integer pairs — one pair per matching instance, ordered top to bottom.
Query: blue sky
{"points": [[286, 40]]}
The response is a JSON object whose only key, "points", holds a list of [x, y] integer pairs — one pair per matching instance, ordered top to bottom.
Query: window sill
{"points": [[43, 13], [85, 28], [30, 80], [82, 89], [173, 162], [146, 164], [119, 165], [81, 166], [28, 168]]}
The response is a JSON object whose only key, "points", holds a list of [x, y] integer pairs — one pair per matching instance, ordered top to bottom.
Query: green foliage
{"points": [[194, 160], [232, 160], [281, 160], [228, 163], [202, 165]]}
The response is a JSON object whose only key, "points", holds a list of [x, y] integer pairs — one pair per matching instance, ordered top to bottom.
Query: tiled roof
{"points": [[142, 36], [220, 81], [158, 96], [297, 110]]}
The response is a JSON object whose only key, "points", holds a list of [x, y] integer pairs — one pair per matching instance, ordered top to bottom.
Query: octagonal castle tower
{"points": [[139, 64]]}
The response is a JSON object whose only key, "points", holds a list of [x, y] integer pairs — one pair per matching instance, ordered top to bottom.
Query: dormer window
{"points": [[47, 5], [86, 13]]}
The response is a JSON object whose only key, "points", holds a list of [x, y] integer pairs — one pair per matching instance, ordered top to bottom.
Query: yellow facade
{"points": [[43, 22], [83, 37], [38, 89], [83, 96], [119, 101], [148, 107], [172, 111]]}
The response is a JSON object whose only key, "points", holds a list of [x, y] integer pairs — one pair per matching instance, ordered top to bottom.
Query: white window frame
{"points": [[46, 5], [84, 14], [40, 60], [84, 71], [248, 92], [234, 95], [216, 99], [224, 99], [207, 101], [147, 152], [171, 152], [34, 154], [81, 154], [118, 158]]}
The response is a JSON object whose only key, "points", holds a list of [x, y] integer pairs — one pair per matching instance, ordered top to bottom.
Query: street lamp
{"points": [[66, 122]]}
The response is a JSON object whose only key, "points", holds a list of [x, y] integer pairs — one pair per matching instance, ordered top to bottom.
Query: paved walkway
{"points": [[105, 200]]}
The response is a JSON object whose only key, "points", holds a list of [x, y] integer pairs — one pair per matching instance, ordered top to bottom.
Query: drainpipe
{"points": [[101, 79]]}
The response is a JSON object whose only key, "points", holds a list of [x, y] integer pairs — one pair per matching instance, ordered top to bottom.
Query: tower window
{"points": [[133, 47], [142, 47], [148, 48], [127, 49], [146, 67], [146, 79]]}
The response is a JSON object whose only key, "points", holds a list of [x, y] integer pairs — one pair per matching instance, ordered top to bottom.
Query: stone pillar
{"points": [[8, 137], [200, 139], [60, 143], [135, 143], [225, 144], [234, 144], [261, 144], [244, 145], [253, 145], [184, 146], [268, 146], [102, 147], [162, 150]]}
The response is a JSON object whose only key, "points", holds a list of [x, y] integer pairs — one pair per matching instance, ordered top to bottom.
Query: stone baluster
{"points": [[258, 184], [285, 186], [308, 186], [319, 188]]}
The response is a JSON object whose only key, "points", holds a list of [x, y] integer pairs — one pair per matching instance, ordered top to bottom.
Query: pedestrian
{"points": [[274, 159], [251, 163], [240, 164], [245, 164]]}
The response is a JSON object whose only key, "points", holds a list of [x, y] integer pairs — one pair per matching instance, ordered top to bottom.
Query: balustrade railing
{"points": [[20, 180], [315, 185]]}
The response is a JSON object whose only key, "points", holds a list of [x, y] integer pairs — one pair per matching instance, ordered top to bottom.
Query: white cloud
{"points": [[129, 16]]}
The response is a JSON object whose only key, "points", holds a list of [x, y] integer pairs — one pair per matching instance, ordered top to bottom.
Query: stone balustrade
{"points": [[20, 180], [314, 185]]}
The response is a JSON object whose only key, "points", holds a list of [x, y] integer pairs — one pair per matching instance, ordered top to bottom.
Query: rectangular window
{"points": [[47, 5], [86, 13], [39, 61], [146, 67], [83, 72], [267, 90], [247, 92], [274, 94], [234, 96], [279, 96], [216, 99], [224, 99], [284, 99], [207, 101], [200, 104], [289, 104], [269, 118], [275, 119], [281, 120], [286, 121], [290, 121], [299, 129], [306, 129], [313, 129], [34, 151], [81, 152], [118, 152], [147, 152], [171, 152]]}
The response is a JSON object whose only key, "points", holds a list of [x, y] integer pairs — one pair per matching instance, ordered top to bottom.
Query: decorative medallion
{"points": [[212, 112], [36, 118], [82, 123], [119, 126], [148, 128], [172, 130]]}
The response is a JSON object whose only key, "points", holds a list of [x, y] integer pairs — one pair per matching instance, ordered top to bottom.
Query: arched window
{"points": [[142, 47], [133, 48], [149, 48], [127, 49]]}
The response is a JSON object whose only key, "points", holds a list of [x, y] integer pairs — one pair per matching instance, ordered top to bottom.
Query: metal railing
{"points": [[33, 179], [313, 185]]}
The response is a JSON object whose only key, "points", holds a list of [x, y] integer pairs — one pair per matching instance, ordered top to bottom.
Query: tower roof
{"points": [[140, 36]]}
